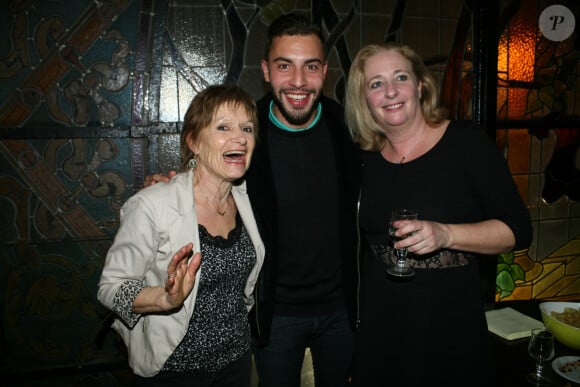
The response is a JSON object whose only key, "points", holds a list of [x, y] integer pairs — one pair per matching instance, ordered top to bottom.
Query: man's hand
{"points": [[158, 177]]}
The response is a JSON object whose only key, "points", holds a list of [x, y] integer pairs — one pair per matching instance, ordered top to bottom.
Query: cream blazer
{"points": [[155, 223]]}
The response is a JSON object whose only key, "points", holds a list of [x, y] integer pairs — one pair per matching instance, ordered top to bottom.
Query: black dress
{"points": [[431, 329]]}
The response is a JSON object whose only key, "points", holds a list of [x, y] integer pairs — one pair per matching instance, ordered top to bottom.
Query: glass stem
{"points": [[401, 256], [539, 368]]}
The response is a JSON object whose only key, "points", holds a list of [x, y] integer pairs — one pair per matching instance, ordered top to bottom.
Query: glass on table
{"points": [[541, 348]]}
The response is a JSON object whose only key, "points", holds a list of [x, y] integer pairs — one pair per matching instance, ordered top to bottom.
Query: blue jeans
{"points": [[330, 339]]}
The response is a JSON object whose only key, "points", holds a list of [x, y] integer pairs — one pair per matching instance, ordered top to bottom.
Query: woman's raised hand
{"points": [[181, 275]]}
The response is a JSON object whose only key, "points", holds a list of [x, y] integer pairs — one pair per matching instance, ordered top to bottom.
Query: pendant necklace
{"points": [[410, 152], [402, 160], [211, 203], [222, 213]]}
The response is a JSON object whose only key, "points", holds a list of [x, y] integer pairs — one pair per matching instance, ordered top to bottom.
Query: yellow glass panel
{"points": [[502, 55]]}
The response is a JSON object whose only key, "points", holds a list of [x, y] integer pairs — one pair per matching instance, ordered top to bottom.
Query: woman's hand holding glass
{"points": [[396, 235], [181, 275]]}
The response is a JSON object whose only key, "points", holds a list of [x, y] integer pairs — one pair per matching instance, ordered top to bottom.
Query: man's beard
{"points": [[297, 117]]}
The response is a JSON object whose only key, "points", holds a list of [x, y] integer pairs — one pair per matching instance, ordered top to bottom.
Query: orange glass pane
{"points": [[521, 47], [516, 63], [517, 101]]}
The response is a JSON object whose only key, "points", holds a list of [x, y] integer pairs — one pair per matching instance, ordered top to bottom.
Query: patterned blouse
{"points": [[218, 333]]}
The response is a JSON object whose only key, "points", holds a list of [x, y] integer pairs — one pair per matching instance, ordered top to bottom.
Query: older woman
{"points": [[182, 268], [429, 329]]}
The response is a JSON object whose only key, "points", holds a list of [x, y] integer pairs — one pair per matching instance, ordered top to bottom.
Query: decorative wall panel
{"points": [[91, 98]]}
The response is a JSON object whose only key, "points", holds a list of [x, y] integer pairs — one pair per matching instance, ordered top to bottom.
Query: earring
{"points": [[192, 163]]}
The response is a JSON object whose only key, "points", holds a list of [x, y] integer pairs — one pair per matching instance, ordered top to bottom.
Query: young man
{"points": [[303, 184]]}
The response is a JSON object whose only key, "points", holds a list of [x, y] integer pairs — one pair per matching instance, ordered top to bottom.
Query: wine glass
{"points": [[400, 269], [541, 348]]}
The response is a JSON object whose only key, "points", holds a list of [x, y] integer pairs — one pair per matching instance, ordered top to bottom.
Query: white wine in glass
{"points": [[400, 269]]}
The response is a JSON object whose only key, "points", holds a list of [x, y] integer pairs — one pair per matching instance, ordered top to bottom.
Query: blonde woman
{"points": [[430, 329]]}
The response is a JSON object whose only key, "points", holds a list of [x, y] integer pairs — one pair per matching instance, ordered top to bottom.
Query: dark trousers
{"points": [[330, 339], [236, 374]]}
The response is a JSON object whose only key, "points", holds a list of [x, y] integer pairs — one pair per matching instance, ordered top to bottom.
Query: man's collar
{"points": [[280, 125]]}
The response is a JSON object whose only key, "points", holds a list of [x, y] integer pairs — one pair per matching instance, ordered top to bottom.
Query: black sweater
{"points": [[291, 208]]}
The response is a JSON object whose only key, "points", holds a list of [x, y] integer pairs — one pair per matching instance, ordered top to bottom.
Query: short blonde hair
{"points": [[203, 109], [363, 128]]}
